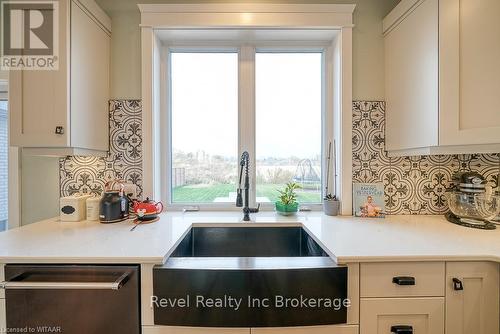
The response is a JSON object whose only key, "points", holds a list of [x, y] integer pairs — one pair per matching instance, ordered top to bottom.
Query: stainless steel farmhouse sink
{"points": [[248, 241], [249, 276]]}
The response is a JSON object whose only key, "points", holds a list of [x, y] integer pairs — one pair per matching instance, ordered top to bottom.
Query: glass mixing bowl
{"points": [[474, 208]]}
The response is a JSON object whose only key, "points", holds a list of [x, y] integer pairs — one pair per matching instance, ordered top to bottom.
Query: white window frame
{"points": [[338, 98], [246, 110], [14, 182]]}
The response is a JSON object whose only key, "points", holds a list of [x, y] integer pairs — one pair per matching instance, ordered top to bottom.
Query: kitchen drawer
{"points": [[426, 279], [424, 315], [3, 322], [335, 329], [192, 330]]}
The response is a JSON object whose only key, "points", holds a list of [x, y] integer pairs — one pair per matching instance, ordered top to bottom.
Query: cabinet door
{"points": [[469, 50], [90, 52], [411, 79], [39, 99], [475, 309], [423, 315], [192, 330], [308, 330]]}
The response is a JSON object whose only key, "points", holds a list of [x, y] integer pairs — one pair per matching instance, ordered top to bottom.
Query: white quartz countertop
{"points": [[346, 239]]}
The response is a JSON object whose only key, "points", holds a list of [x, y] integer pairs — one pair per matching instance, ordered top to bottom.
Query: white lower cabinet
{"points": [[396, 298], [472, 298], [392, 315], [3, 322], [335, 329], [192, 330]]}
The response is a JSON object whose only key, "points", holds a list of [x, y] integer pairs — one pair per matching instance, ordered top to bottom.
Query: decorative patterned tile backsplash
{"points": [[124, 161], [413, 185]]}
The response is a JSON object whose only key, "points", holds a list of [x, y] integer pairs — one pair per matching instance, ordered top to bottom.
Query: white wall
{"points": [[368, 47], [39, 188]]}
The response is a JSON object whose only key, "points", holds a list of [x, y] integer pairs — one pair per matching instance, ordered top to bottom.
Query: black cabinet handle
{"points": [[59, 130], [403, 280], [457, 284], [402, 329]]}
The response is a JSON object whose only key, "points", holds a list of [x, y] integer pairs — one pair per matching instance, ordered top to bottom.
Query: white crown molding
{"points": [[246, 8], [95, 13], [399, 13], [213, 16]]}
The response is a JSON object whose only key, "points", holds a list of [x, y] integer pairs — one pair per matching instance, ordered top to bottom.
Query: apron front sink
{"points": [[252, 276]]}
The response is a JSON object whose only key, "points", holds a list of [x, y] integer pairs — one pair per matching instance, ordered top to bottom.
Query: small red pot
{"points": [[147, 209]]}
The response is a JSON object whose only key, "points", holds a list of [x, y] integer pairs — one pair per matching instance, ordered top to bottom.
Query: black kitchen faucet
{"points": [[244, 163]]}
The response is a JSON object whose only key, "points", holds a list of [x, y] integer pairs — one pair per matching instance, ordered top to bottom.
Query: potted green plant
{"points": [[287, 204]]}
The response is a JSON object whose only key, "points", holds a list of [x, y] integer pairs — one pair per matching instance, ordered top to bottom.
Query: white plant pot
{"points": [[331, 207]]}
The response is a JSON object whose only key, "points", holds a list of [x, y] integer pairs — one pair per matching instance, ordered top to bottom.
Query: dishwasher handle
{"points": [[116, 285]]}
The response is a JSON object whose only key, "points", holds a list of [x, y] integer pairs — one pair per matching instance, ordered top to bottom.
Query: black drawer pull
{"points": [[403, 280], [457, 284], [402, 329]]}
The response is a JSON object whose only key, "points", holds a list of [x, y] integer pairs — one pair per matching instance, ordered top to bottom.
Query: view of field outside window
{"points": [[204, 124], [288, 124], [204, 127]]}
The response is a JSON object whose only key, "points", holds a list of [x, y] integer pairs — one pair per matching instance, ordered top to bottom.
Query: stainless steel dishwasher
{"points": [[72, 299]]}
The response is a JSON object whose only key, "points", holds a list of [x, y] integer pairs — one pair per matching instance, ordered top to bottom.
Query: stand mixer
{"points": [[472, 202]]}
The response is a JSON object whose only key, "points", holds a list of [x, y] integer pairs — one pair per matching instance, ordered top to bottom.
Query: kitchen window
{"points": [[248, 30], [222, 101], [288, 128]]}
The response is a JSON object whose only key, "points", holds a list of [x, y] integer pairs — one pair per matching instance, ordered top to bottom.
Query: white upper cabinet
{"points": [[469, 34], [411, 57], [442, 77], [73, 98]]}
